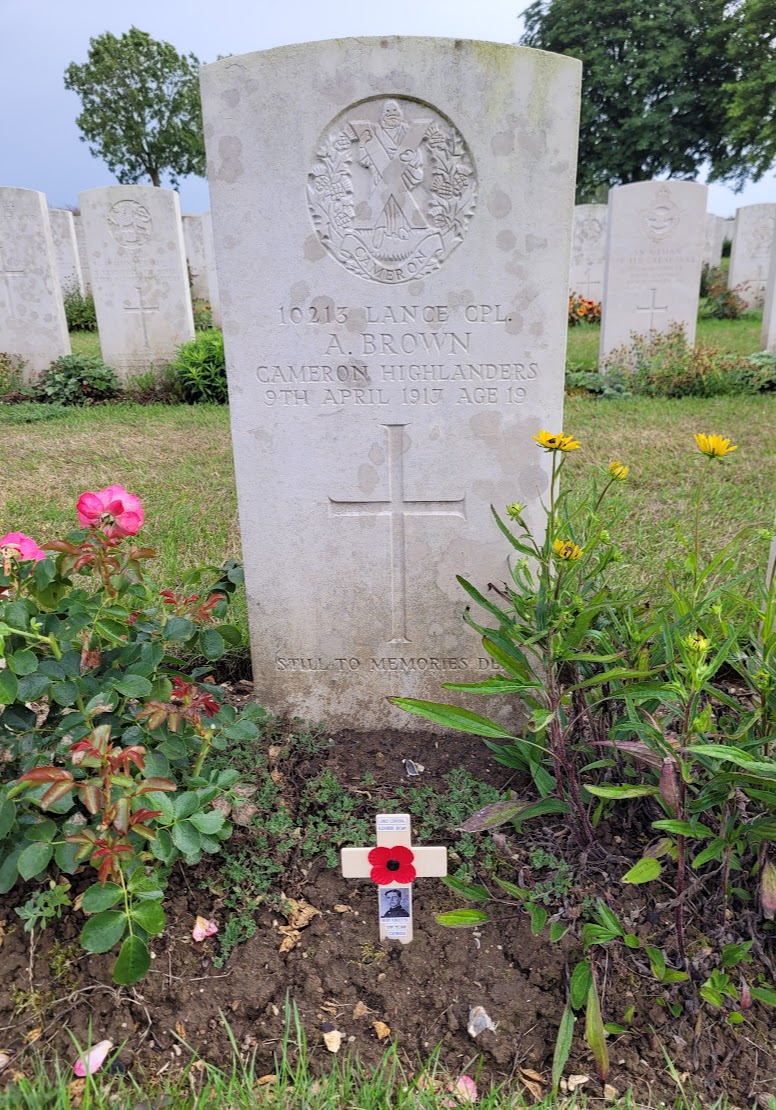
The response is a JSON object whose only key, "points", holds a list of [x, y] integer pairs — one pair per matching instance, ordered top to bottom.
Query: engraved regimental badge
{"points": [[392, 189], [663, 217], [130, 223]]}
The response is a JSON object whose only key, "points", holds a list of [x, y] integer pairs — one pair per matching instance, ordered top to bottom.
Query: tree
{"points": [[652, 83], [141, 107], [751, 110]]}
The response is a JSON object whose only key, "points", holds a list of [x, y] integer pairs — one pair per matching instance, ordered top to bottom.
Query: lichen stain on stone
{"points": [[231, 97], [503, 142], [231, 168], [499, 204], [506, 240], [534, 243], [313, 249], [415, 288], [299, 292], [355, 320], [514, 323], [485, 424], [377, 454], [367, 478], [532, 482]]}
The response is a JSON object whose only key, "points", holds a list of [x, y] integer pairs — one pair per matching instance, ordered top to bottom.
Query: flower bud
{"points": [[515, 510], [669, 784], [768, 889], [746, 996]]}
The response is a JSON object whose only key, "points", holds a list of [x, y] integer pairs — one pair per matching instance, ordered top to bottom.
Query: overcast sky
{"points": [[40, 146]]}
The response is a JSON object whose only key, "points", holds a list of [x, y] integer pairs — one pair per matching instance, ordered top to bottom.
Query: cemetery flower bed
{"points": [[561, 901]]}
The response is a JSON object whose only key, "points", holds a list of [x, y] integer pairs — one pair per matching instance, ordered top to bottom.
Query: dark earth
{"points": [[339, 973]]}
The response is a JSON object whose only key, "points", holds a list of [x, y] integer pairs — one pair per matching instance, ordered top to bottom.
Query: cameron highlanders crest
{"points": [[392, 189]]}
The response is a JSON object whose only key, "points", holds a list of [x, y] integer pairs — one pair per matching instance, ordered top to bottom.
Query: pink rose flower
{"points": [[114, 511], [22, 547], [203, 928]]}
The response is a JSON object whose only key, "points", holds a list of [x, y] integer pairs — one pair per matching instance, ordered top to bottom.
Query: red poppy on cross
{"points": [[393, 866]]}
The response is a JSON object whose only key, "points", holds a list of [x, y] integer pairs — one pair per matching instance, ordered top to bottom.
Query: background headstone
{"points": [[392, 224], [715, 228], [194, 239], [66, 249], [588, 251], [82, 255], [750, 256], [653, 260], [137, 261], [212, 269], [32, 317], [768, 334]]}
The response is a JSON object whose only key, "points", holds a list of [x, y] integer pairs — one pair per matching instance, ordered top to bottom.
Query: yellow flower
{"points": [[558, 442], [715, 447], [619, 471], [515, 510], [567, 549], [697, 643]]}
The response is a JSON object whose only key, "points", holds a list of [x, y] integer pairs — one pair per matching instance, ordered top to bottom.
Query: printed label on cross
{"points": [[6, 273], [142, 308], [652, 308], [396, 509], [393, 865]]}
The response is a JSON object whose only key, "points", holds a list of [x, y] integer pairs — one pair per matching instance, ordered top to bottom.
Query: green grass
{"points": [[740, 336], [85, 343], [178, 460], [296, 1083]]}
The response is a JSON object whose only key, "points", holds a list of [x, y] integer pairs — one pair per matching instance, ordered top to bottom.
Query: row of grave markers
{"points": [[130, 247]]}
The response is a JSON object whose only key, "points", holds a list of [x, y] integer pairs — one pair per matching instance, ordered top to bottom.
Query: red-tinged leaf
{"points": [[62, 545], [143, 553], [46, 774], [149, 785], [54, 793], [90, 794], [144, 815], [121, 818]]}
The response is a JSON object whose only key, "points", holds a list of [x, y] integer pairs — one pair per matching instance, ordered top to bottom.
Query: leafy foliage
{"points": [[652, 85], [141, 109], [79, 310], [201, 368], [78, 380], [111, 769]]}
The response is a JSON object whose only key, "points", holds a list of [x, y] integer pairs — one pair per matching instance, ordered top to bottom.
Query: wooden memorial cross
{"points": [[394, 865]]}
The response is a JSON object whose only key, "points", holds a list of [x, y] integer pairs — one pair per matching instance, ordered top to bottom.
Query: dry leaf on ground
{"points": [[300, 913], [291, 938], [360, 1010], [381, 1029], [333, 1040], [533, 1081]]}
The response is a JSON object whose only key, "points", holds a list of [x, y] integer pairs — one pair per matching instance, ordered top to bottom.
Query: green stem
{"points": [[697, 564], [207, 741]]}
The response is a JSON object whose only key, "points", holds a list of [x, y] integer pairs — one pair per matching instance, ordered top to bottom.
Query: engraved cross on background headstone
{"points": [[6, 273], [590, 282], [142, 308], [652, 308], [397, 509], [395, 897]]}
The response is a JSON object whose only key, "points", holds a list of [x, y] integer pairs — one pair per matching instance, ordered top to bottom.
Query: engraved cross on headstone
{"points": [[6, 273], [590, 282], [142, 308], [652, 308], [397, 510], [394, 855]]}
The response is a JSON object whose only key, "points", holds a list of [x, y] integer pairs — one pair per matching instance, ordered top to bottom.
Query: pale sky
{"points": [[40, 146]]}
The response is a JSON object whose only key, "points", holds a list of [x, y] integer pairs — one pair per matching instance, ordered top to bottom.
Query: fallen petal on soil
{"points": [[203, 928], [93, 1060]]}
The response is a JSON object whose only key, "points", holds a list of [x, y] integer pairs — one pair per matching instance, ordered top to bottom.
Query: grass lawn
{"points": [[178, 460]]}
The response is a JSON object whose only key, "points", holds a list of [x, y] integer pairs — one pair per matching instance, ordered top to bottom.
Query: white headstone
{"points": [[392, 224], [715, 228], [194, 238], [134, 241], [66, 249], [588, 251], [82, 255], [750, 255], [653, 260], [212, 270], [32, 317], [768, 334]]}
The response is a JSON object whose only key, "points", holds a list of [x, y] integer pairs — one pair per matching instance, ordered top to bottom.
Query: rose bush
{"points": [[104, 739]]}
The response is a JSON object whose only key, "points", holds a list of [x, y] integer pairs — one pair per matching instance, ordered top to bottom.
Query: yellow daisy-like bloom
{"points": [[560, 442], [714, 447], [619, 471], [515, 510], [567, 549]]}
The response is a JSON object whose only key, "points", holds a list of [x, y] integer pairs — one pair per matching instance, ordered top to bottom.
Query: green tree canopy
{"points": [[652, 85], [751, 103], [141, 107]]}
